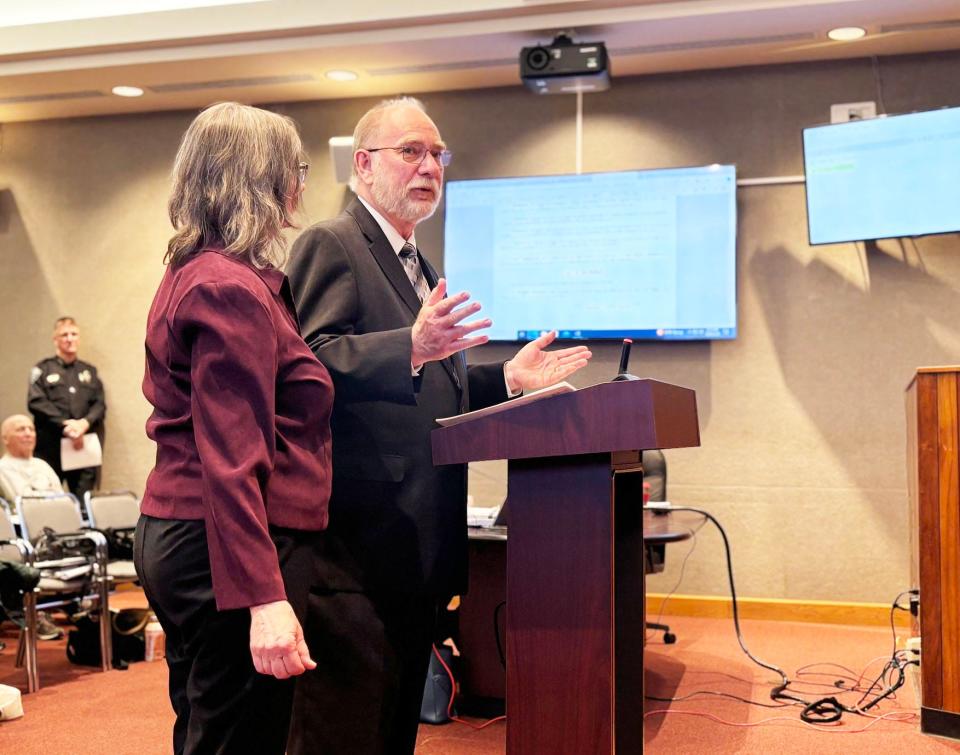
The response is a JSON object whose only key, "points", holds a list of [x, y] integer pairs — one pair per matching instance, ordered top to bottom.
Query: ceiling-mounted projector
{"points": [[565, 67]]}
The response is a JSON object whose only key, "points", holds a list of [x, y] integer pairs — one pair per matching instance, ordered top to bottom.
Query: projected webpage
{"points": [[884, 177], [643, 254]]}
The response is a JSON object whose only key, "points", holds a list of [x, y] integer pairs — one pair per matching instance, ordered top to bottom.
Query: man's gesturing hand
{"points": [[438, 332], [533, 368], [276, 641]]}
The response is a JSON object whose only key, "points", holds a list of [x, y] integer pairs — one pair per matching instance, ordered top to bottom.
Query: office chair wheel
{"points": [[669, 638]]}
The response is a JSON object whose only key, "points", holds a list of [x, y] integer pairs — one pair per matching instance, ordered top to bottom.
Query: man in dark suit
{"points": [[376, 314]]}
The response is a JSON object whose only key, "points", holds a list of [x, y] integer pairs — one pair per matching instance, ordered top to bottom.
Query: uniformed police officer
{"points": [[67, 401]]}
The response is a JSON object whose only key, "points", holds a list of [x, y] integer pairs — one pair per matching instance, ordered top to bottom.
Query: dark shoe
{"points": [[46, 629]]}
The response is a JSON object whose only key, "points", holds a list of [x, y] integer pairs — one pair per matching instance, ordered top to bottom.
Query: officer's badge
{"points": [[35, 374], [85, 376], [53, 377]]}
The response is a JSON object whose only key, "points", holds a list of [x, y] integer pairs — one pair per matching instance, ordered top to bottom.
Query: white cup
{"points": [[11, 703]]}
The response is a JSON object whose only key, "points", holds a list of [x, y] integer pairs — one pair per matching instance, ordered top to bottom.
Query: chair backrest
{"points": [[655, 473], [6, 489], [113, 510], [60, 512], [8, 532]]}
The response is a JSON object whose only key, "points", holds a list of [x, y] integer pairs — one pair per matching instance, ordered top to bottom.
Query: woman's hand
{"points": [[276, 641]]}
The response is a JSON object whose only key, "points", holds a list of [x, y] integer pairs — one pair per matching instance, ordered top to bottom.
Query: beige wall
{"points": [[802, 416]]}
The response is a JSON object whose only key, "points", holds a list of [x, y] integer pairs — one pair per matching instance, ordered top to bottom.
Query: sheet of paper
{"points": [[526, 398], [91, 455], [482, 516], [68, 574]]}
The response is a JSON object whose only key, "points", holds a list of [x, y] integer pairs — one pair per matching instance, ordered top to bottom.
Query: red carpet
{"points": [[84, 711]]}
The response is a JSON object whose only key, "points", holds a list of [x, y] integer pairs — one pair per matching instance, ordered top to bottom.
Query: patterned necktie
{"points": [[411, 264]]}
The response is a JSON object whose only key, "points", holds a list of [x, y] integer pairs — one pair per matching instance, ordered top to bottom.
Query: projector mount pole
{"points": [[579, 147]]}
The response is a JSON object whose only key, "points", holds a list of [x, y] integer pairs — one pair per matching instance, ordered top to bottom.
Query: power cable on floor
{"points": [[825, 710]]}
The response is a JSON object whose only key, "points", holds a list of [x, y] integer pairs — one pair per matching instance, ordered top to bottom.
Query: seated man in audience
{"points": [[22, 473]]}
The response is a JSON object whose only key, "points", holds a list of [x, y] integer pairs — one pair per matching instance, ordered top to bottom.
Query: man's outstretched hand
{"points": [[533, 368]]}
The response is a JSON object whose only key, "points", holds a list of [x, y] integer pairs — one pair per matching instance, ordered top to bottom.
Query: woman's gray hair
{"points": [[368, 128], [232, 181]]}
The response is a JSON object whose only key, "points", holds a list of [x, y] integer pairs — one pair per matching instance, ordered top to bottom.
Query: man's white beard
{"points": [[393, 200]]}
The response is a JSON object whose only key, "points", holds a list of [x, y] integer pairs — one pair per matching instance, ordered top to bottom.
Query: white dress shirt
{"points": [[397, 243]]}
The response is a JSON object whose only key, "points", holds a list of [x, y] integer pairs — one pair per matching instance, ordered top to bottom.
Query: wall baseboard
{"points": [[774, 609]]}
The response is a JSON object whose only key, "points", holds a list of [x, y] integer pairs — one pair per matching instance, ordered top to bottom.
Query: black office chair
{"points": [[656, 531]]}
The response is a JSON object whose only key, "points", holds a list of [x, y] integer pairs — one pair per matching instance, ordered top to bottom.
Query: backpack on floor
{"points": [[129, 645]]}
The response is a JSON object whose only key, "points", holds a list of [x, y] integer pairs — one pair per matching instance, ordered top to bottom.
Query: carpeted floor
{"points": [[821, 661], [82, 711]]}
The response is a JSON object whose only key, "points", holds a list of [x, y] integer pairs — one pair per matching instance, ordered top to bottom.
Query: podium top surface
{"points": [[945, 370], [623, 416]]}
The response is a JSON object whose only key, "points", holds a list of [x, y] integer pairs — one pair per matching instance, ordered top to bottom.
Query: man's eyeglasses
{"points": [[417, 153], [302, 169]]}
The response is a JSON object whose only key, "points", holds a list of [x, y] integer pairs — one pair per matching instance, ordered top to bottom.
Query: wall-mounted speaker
{"points": [[341, 157]]}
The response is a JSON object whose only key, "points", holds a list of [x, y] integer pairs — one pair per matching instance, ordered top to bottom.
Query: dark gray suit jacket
{"points": [[396, 521]]}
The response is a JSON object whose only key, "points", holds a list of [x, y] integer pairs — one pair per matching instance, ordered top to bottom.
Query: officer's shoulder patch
{"points": [[35, 374]]}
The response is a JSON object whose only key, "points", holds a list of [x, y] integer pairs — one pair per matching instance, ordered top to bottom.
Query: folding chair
{"points": [[117, 511], [15, 549], [60, 584]]}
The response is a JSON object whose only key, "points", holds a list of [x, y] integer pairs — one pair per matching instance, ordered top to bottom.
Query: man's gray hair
{"points": [[368, 127]]}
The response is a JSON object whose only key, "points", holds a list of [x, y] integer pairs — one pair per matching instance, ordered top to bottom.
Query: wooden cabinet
{"points": [[933, 478]]}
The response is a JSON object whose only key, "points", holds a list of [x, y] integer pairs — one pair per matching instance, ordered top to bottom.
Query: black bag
{"points": [[119, 543], [52, 547], [15, 580], [129, 646], [438, 688]]}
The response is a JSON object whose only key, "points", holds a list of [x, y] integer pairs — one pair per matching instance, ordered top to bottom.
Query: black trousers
{"points": [[79, 481], [372, 652], [222, 704]]}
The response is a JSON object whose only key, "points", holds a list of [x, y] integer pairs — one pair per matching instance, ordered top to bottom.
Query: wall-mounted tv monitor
{"points": [[883, 177], [642, 254]]}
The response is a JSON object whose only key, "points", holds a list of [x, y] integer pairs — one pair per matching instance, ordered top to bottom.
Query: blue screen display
{"points": [[883, 177], [641, 254]]}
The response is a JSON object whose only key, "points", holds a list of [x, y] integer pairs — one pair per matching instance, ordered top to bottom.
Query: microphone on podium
{"points": [[622, 374]]}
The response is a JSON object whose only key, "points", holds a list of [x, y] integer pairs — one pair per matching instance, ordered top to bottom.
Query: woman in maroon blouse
{"points": [[241, 419]]}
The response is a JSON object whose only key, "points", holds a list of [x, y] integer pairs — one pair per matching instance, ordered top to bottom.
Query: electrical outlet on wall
{"points": [[852, 111]]}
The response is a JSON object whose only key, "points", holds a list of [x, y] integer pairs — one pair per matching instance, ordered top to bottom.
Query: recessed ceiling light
{"points": [[846, 33], [341, 75], [127, 91]]}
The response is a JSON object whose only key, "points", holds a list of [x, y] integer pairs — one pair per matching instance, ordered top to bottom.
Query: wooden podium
{"points": [[933, 480], [575, 592]]}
